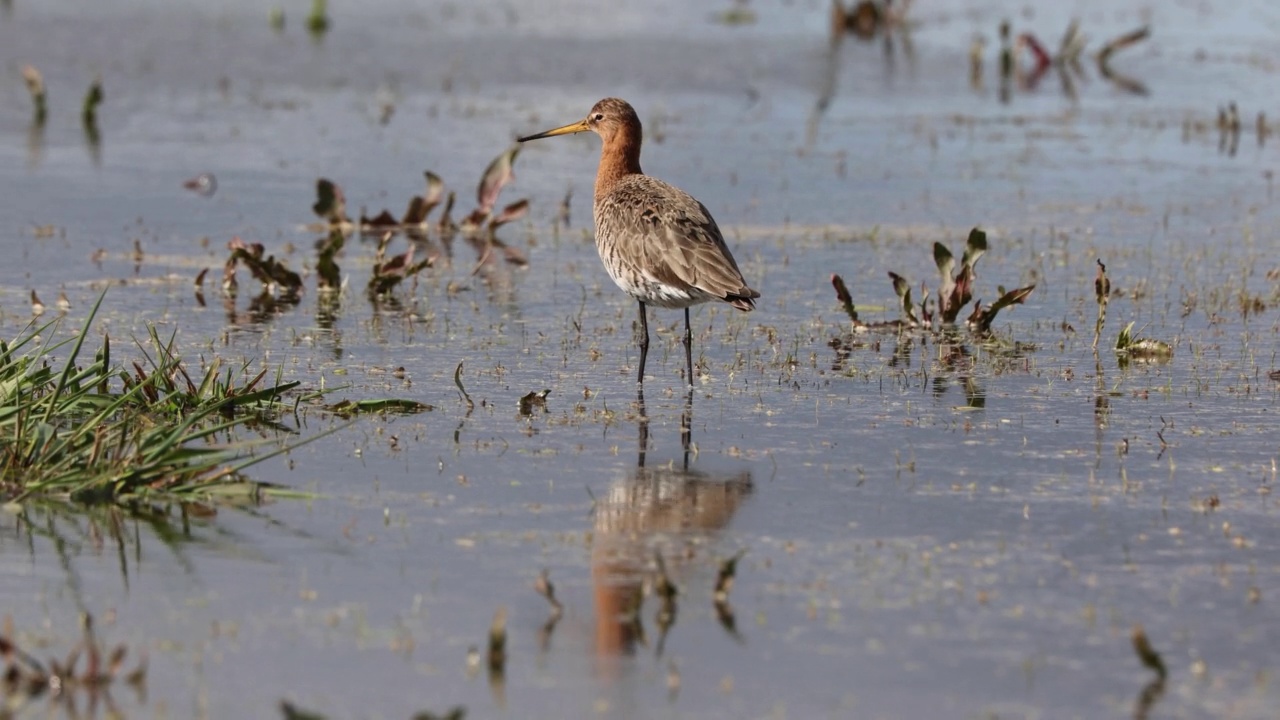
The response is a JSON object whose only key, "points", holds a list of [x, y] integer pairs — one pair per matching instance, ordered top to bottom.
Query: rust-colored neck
{"points": [[619, 157]]}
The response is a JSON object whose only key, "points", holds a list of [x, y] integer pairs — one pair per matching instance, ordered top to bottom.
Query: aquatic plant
{"points": [[318, 18], [35, 86], [89, 110], [331, 204], [479, 227], [266, 269], [389, 272], [330, 277], [953, 293], [1102, 294], [1130, 347], [106, 433], [1150, 659]]}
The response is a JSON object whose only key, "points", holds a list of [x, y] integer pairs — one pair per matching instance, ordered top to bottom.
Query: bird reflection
{"points": [[646, 512]]}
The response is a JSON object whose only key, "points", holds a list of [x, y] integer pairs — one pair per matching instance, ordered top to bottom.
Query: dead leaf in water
{"points": [[496, 176], [514, 211]]}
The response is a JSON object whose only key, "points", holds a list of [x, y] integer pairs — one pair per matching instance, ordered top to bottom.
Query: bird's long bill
{"points": [[580, 126]]}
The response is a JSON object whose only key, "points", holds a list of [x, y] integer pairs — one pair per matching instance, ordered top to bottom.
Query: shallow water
{"points": [[931, 528]]}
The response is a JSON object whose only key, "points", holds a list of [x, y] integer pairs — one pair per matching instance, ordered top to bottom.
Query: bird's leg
{"points": [[644, 341], [688, 348], [686, 426], [643, 443]]}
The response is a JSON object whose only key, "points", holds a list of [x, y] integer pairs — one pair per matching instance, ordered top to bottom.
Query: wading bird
{"points": [[658, 243]]}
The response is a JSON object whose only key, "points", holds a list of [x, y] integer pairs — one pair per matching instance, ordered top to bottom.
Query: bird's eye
{"points": [[597, 117]]}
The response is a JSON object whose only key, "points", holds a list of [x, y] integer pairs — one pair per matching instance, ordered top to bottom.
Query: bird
{"points": [[658, 243]]}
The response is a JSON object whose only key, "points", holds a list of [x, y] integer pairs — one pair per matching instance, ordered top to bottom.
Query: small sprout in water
{"points": [[276, 19], [318, 19], [35, 86], [92, 99], [389, 272], [1102, 293], [845, 298], [724, 580], [544, 588], [547, 590], [1147, 654], [497, 655]]}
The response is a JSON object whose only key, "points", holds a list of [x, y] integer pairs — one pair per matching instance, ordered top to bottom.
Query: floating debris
{"points": [[204, 184], [397, 406]]}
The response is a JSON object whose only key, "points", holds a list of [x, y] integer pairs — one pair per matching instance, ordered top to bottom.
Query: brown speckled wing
{"points": [[673, 237]]}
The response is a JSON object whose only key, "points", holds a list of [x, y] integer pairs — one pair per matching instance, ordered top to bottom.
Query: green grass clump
{"points": [[104, 433]]}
